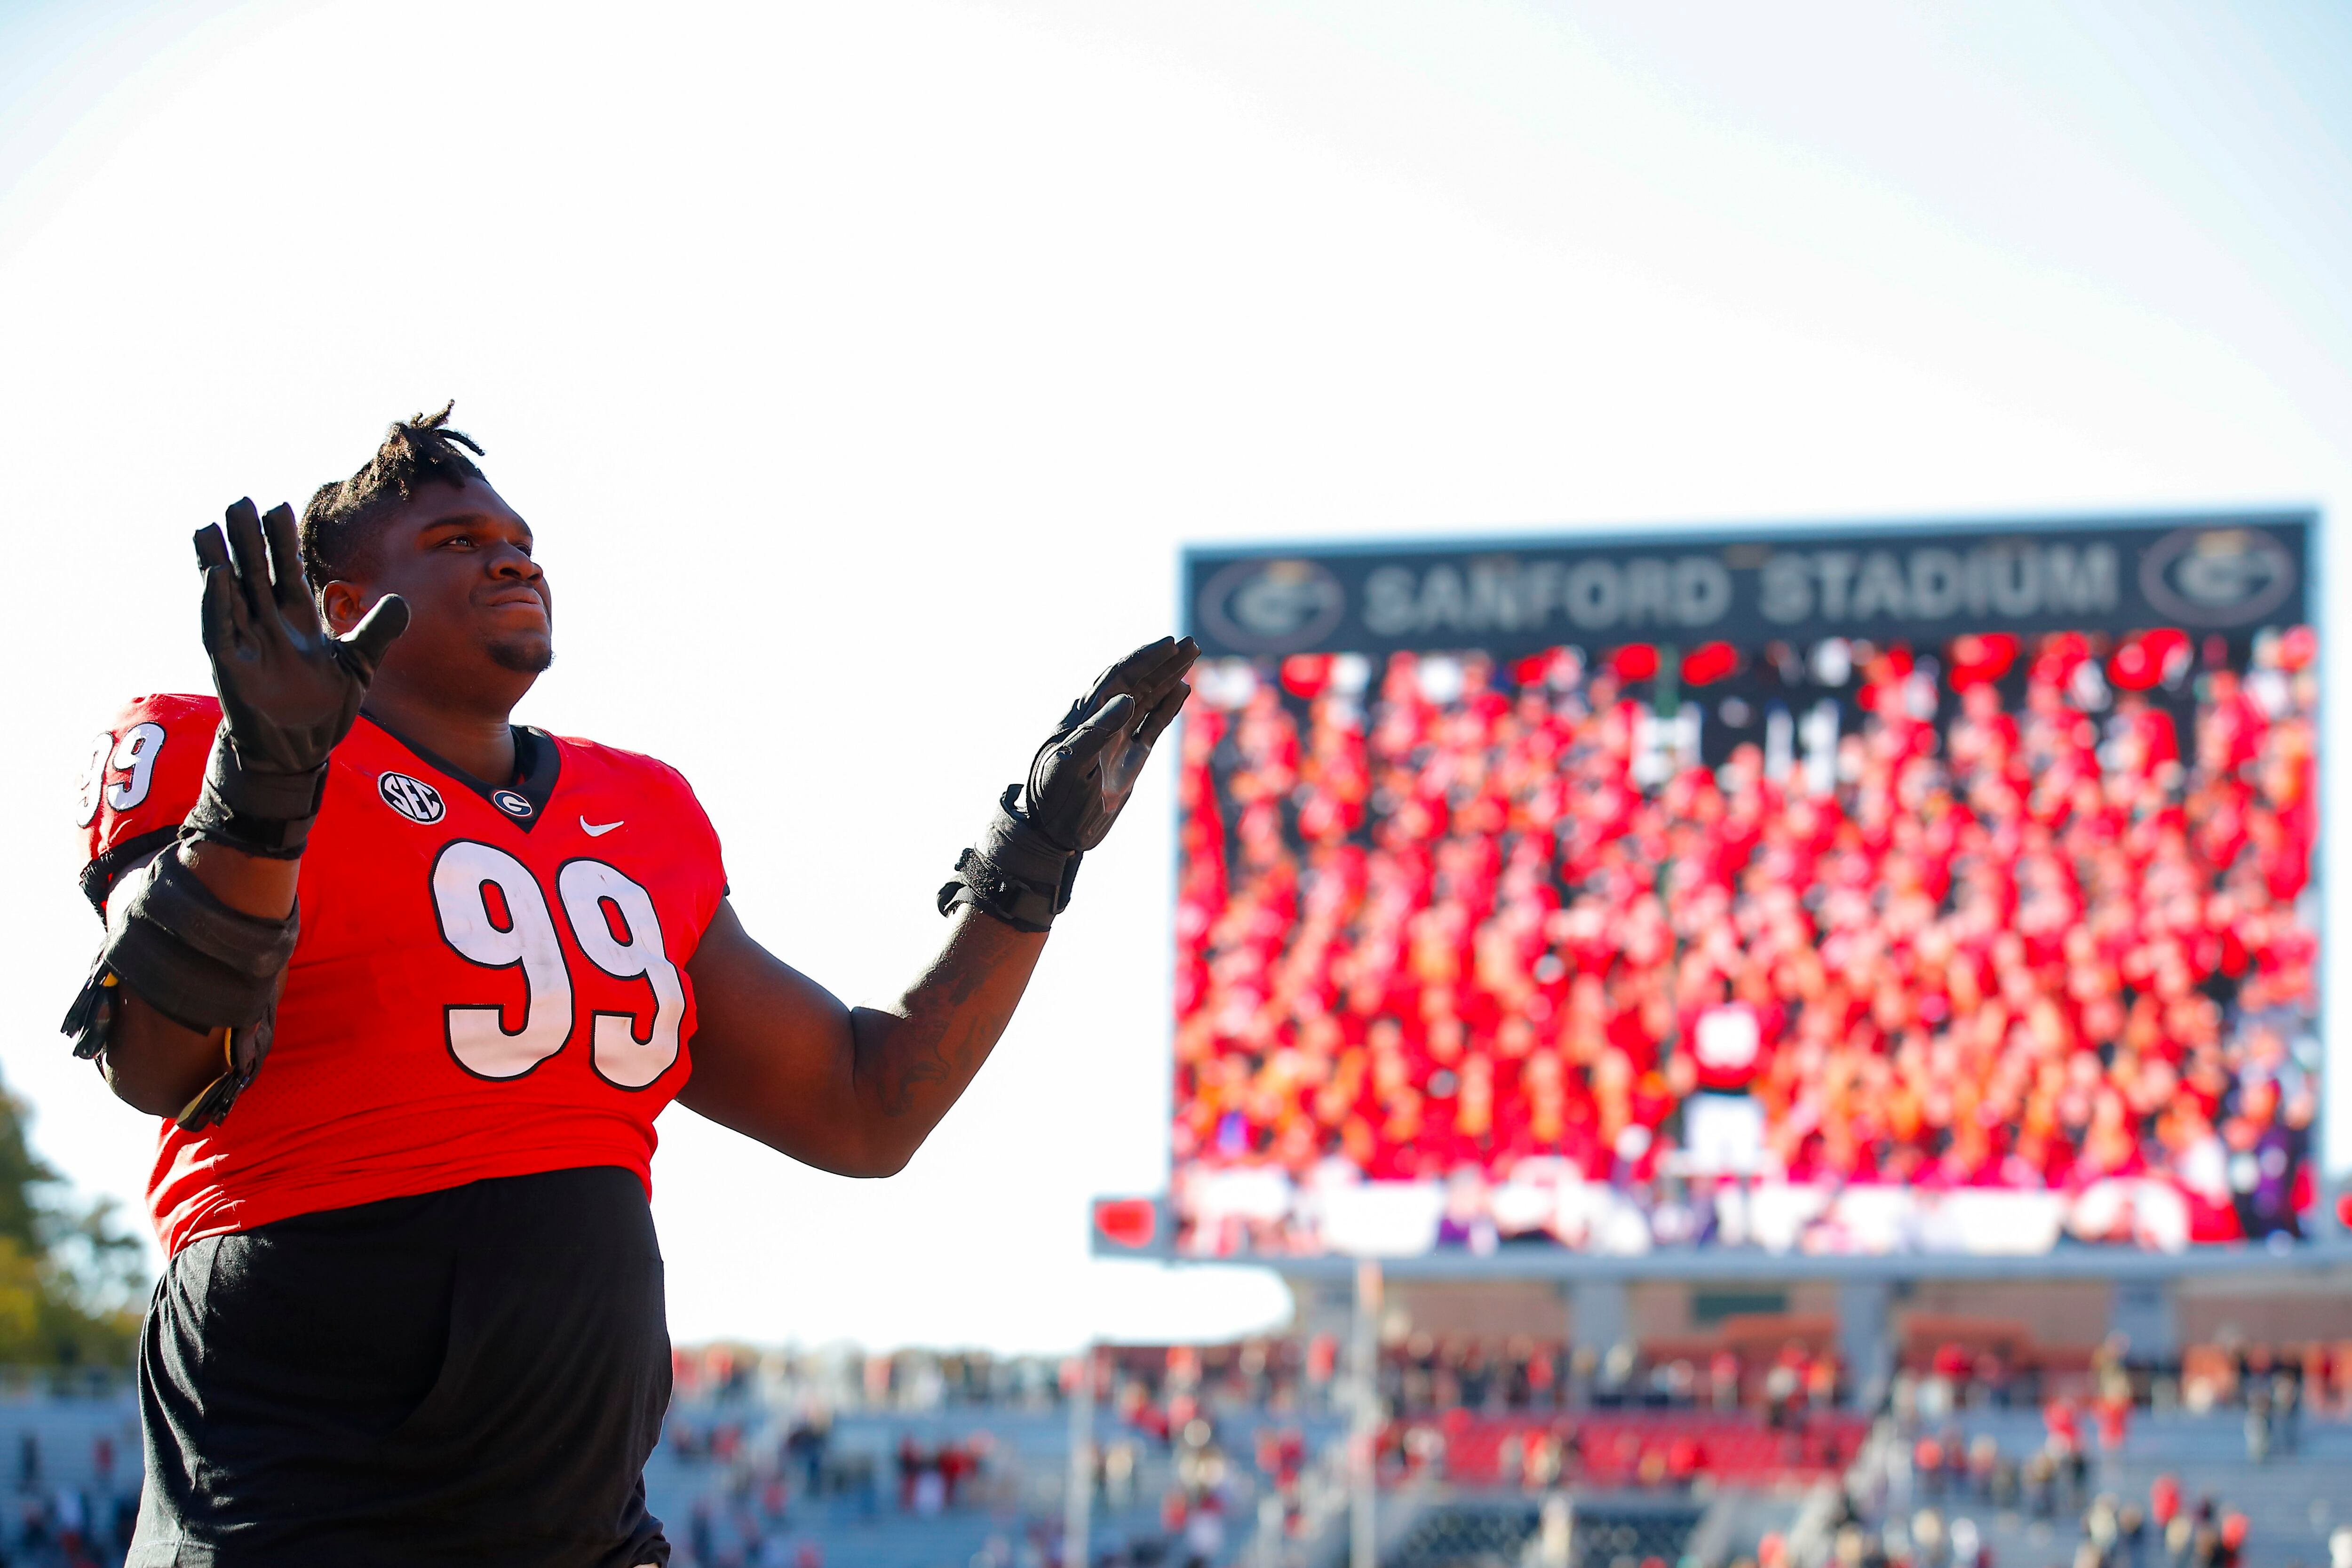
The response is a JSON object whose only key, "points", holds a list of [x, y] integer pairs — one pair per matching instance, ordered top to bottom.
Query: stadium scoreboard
{"points": [[1861, 891]]}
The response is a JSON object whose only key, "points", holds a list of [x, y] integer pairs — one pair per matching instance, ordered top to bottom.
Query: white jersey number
{"points": [[133, 754], [463, 880], [613, 920]]}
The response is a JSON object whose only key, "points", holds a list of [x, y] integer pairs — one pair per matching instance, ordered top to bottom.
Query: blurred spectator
{"points": [[1512, 933]]}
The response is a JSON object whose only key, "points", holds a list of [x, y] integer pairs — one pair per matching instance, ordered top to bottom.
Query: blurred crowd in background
{"points": [[1847, 948], [1764, 1365], [1200, 1451], [838, 1458], [76, 1494], [1943, 1496], [2172, 1528]]}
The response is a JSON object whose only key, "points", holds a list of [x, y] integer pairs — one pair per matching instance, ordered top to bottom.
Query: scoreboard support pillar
{"points": [[2142, 1312], [1599, 1320], [1865, 1339], [1363, 1438], [1078, 1500]]}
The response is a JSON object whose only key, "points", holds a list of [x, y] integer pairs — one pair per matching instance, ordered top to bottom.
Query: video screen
{"points": [[1837, 894]]}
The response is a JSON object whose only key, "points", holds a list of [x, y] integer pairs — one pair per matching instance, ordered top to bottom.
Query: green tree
{"points": [[71, 1280]]}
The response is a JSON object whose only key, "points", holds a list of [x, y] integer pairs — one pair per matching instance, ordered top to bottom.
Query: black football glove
{"points": [[288, 689], [1082, 775], [1026, 860]]}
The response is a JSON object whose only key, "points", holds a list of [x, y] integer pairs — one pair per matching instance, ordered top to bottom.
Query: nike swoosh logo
{"points": [[596, 829]]}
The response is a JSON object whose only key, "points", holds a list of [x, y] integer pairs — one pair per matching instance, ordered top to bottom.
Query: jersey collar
{"points": [[538, 759]]}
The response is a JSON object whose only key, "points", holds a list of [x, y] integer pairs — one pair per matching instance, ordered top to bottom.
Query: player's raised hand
{"points": [[1153, 668], [289, 689], [1081, 777], [1021, 868]]}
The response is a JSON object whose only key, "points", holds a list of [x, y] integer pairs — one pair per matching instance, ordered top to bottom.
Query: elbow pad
{"points": [[201, 964]]}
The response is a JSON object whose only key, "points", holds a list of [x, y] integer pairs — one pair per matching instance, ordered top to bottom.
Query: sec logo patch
{"points": [[412, 798]]}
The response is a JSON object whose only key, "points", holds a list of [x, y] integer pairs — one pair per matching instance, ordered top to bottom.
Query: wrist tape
{"points": [[254, 810], [1014, 872]]}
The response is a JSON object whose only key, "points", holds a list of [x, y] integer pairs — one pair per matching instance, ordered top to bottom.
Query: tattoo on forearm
{"points": [[933, 1045], [952, 1056], [900, 1082]]}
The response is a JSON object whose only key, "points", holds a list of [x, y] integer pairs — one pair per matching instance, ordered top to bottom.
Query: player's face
{"points": [[461, 557]]}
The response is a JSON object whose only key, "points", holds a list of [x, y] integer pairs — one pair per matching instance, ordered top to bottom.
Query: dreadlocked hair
{"points": [[341, 517]]}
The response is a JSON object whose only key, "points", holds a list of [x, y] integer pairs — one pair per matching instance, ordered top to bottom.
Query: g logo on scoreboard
{"points": [[2217, 576], [1272, 606], [412, 798]]}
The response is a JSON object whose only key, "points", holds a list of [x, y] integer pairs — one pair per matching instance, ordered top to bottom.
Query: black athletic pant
{"points": [[467, 1377]]}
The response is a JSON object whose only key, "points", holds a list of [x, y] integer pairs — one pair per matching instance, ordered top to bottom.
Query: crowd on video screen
{"points": [[1998, 945]]}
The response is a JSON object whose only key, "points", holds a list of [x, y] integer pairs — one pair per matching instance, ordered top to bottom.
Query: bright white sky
{"points": [[863, 367]]}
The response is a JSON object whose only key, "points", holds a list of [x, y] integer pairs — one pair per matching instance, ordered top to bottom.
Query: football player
{"points": [[408, 985]]}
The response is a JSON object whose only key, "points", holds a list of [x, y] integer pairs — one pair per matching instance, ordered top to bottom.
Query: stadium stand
{"points": [[1614, 1448], [1214, 1455], [70, 1471], [2179, 1492], [879, 1499]]}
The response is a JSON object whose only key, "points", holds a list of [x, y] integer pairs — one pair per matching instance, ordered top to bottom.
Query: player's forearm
{"points": [[248, 883], [915, 1058], [155, 1064], [854, 1090], [857, 1090]]}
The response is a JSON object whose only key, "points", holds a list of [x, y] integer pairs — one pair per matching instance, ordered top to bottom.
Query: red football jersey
{"points": [[490, 982]]}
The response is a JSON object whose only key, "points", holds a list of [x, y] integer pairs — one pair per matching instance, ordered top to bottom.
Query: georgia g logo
{"points": [[2217, 576], [1272, 606], [412, 798]]}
